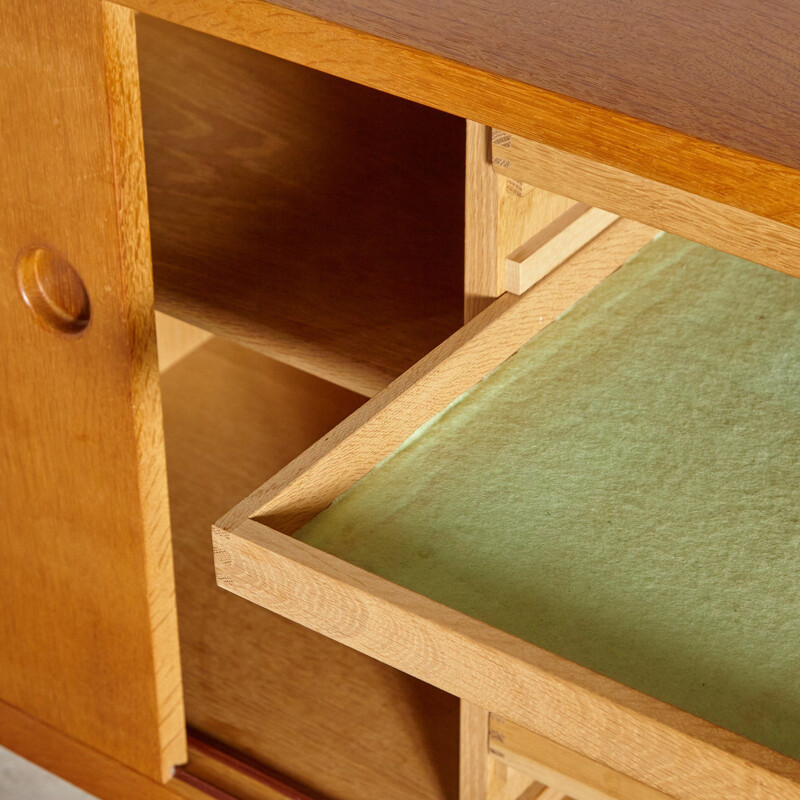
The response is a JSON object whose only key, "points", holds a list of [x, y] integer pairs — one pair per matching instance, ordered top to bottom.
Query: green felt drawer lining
{"points": [[624, 491]]}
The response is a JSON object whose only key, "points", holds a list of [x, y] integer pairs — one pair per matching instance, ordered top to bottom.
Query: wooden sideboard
{"points": [[239, 233]]}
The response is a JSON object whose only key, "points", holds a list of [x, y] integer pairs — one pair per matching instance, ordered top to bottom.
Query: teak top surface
{"points": [[725, 71]]}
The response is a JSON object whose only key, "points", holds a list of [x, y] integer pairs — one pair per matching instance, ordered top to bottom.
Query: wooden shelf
{"points": [[315, 220], [337, 722]]}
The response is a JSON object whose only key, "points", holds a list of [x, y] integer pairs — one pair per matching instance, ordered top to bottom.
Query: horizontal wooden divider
{"points": [[724, 226]]}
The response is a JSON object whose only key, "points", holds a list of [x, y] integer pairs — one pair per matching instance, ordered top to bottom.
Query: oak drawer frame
{"points": [[763, 239], [672, 751], [503, 761]]}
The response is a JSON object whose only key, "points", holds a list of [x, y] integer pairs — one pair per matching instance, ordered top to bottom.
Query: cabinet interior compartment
{"points": [[315, 220], [334, 723]]}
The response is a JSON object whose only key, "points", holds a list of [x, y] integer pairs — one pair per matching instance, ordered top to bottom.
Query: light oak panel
{"points": [[523, 211], [501, 216], [314, 220], [720, 225], [554, 244], [483, 273], [176, 339], [89, 633], [326, 717], [645, 739], [474, 753], [558, 766], [483, 777], [506, 783], [549, 793]]}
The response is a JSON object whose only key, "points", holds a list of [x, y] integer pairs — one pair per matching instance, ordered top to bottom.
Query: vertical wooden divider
{"points": [[474, 753]]}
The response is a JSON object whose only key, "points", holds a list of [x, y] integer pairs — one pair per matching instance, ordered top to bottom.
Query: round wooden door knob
{"points": [[53, 290]]}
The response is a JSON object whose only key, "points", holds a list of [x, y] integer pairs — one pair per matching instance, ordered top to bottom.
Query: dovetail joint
{"points": [[501, 138]]}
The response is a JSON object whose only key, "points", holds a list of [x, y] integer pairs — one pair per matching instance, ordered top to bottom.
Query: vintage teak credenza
{"points": [[259, 256]]}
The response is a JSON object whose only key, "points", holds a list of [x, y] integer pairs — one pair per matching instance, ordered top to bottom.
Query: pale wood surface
{"points": [[696, 165], [523, 211], [501, 215], [312, 219], [720, 225], [553, 244], [483, 276], [176, 339], [324, 471], [88, 624], [325, 716], [656, 744], [473, 753], [555, 765], [484, 777], [506, 783], [548, 793]]}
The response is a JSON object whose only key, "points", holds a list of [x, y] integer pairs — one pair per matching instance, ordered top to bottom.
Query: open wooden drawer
{"points": [[643, 733]]}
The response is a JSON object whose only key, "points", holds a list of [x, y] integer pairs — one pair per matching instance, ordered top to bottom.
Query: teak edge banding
{"points": [[728, 176]]}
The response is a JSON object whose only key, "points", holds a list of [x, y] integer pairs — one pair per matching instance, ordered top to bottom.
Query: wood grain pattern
{"points": [[725, 71], [657, 152], [127, 153], [523, 211], [501, 215], [312, 219], [724, 227], [554, 244], [483, 275], [324, 471], [88, 627], [325, 716], [650, 741], [674, 752], [474, 753], [558, 766], [484, 777], [506, 783], [549, 793]]}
